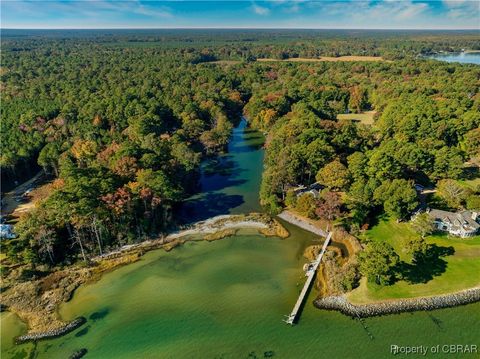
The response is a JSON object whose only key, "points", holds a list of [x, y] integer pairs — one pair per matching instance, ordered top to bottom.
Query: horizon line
{"points": [[237, 28]]}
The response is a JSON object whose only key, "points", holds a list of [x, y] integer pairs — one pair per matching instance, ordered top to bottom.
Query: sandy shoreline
{"points": [[302, 223], [264, 224], [36, 302]]}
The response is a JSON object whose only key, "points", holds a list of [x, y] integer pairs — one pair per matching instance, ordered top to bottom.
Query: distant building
{"points": [[313, 190], [462, 224], [6, 231]]}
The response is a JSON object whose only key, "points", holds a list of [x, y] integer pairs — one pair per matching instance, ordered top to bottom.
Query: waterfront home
{"points": [[313, 190], [462, 224]]}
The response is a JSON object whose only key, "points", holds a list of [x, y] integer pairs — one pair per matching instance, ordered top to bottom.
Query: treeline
{"points": [[224, 44], [123, 127], [123, 133]]}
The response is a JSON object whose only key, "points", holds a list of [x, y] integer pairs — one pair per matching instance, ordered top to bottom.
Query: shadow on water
{"points": [[252, 135], [249, 141], [248, 148], [224, 166], [220, 174], [221, 183], [207, 206], [100, 314], [436, 321], [82, 332], [267, 354]]}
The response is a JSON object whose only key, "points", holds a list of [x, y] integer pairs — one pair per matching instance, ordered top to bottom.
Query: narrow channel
{"points": [[230, 182], [226, 299]]}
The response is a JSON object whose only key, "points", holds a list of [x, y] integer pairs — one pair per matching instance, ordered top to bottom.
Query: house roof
{"points": [[313, 189], [465, 219]]}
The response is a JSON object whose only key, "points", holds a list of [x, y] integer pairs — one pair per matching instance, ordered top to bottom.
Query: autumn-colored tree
{"points": [[358, 99], [268, 117], [98, 121], [83, 151], [105, 156], [125, 166], [334, 175], [119, 201], [328, 206]]}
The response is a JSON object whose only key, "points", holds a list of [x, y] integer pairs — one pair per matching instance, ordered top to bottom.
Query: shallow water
{"points": [[462, 57], [227, 299]]}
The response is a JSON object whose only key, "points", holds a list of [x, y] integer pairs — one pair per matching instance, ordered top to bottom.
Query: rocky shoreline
{"points": [[341, 304], [67, 328]]}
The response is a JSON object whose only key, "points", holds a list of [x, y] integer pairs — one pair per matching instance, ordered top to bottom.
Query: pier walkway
{"points": [[302, 223], [310, 273]]}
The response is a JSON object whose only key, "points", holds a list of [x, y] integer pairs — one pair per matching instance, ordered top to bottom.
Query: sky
{"points": [[319, 14]]}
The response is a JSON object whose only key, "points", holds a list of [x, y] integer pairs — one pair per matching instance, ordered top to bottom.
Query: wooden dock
{"points": [[310, 273]]}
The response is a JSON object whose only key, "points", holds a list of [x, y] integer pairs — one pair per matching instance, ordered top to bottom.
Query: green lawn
{"points": [[365, 118], [454, 272]]}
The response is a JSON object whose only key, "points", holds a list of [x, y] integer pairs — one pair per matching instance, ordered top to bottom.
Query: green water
{"points": [[229, 182], [227, 299]]}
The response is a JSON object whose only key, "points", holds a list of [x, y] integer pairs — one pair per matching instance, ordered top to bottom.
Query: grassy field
{"points": [[366, 118], [457, 269]]}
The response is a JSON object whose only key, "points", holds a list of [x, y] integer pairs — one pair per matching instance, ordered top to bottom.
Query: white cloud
{"points": [[130, 6], [89, 8], [463, 9], [260, 10], [412, 10], [160, 12], [85, 14], [385, 14], [394, 14]]}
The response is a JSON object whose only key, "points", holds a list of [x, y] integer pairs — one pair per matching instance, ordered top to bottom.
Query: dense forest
{"points": [[122, 120], [426, 129]]}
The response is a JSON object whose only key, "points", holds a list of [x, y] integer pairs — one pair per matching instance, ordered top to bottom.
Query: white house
{"points": [[462, 224]]}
